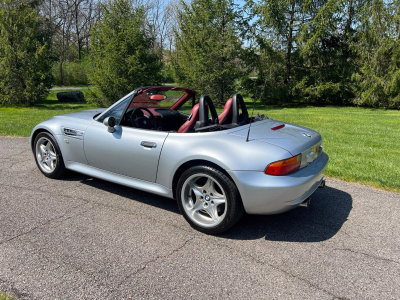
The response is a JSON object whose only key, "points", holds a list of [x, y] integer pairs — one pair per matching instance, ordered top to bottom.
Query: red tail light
{"points": [[283, 167]]}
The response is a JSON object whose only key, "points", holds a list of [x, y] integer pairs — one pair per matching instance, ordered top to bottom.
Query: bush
{"points": [[25, 57]]}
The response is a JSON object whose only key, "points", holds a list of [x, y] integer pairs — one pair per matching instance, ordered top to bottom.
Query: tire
{"points": [[48, 156], [208, 199]]}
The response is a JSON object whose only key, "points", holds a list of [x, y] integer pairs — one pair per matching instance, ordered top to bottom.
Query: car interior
{"points": [[147, 110]]}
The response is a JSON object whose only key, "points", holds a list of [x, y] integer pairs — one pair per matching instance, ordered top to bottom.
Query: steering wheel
{"points": [[142, 121]]}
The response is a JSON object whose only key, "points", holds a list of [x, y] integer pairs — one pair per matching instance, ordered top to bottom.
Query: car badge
{"points": [[144, 122], [306, 134], [207, 198]]}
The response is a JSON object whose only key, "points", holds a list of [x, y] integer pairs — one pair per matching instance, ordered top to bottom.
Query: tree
{"points": [[308, 46], [208, 47], [122, 51], [275, 54], [25, 58], [327, 59], [378, 79]]}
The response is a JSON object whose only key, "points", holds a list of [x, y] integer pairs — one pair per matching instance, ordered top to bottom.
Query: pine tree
{"points": [[378, 45], [208, 47], [122, 51], [326, 54], [25, 58]]}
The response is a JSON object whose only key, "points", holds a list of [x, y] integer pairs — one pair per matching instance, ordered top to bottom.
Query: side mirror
{"points": [[110, 123]]}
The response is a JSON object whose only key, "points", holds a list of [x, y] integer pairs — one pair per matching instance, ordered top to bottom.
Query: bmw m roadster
{"points": [[166, 141]]}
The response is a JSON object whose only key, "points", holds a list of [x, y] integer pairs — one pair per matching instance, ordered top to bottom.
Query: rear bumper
{"points": [[265, 194]]}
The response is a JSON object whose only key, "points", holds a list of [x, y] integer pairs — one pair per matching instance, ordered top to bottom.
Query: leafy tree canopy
{"points": [[208, 47], [122, 51]]}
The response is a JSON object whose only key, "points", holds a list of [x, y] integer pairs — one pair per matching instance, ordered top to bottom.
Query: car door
{"points": [[127, 151]]}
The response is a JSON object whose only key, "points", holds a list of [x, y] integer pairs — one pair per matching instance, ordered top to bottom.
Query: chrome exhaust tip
{"points": [[322, 184], [306, 203]]}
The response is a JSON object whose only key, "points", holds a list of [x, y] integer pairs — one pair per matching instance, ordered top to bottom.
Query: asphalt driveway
{"points": [[84, 238]]}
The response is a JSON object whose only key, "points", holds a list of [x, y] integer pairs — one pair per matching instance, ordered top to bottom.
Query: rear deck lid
{"points": [[293, 138]]}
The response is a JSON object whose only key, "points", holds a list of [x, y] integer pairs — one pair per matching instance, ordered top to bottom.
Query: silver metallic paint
{"points": [[121, 152], [118, 157], [266, 194]]}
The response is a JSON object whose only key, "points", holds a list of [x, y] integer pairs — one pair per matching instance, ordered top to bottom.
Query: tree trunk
{"points": [[350, 12], [77, 30], [289, 45], [79, 50], [223, 59], [61, 72]]}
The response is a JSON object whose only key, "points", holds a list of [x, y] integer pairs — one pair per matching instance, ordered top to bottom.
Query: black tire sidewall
{"points": [[60, 167], [234, 204]]}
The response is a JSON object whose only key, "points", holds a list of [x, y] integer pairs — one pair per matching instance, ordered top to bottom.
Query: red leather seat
{"points": [[226, 116], [193, 118]]}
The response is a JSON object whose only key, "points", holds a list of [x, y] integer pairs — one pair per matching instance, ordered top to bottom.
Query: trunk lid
{"points": [[293, 138]]}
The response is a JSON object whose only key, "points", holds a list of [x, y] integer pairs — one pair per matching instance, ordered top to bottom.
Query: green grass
{"points": [[20, 121], [363, 144], [6, 296]]}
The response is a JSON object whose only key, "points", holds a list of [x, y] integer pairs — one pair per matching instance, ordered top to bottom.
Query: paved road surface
{"points": [[84, 238]]}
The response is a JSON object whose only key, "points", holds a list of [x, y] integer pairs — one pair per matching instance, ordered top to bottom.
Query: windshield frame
{"points": [[115, 104]]}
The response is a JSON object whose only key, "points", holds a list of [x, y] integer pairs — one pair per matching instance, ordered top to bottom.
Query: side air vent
{"points": [[72, 132]]}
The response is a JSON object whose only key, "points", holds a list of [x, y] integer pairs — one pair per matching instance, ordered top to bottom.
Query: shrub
{"points": [[25, 57]]}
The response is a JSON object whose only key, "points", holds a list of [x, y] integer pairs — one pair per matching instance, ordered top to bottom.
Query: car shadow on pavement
{"points": [[126, 192], [320, 221]]}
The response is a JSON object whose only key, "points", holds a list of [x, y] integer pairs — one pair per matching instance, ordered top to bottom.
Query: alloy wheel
{"points": [[46, 155], [204, 200]]}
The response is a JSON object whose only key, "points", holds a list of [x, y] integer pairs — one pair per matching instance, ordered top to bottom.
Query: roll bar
{"points": [[237, 101], [203, 115]]}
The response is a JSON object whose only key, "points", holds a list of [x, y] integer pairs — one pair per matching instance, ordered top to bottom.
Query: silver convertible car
{"points": [[165, 141]]}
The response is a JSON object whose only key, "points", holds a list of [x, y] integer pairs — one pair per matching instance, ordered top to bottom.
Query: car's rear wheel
{"points": [[48, 155], [208, 199]]}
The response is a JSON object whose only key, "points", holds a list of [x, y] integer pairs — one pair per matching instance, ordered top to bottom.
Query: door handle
{"points": [[148, 144]]}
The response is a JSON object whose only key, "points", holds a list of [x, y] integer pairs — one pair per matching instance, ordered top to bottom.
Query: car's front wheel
{"points": [[48, 155], [208, 199]]}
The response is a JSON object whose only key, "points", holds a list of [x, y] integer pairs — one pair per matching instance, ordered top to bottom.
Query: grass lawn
{"points": [[20, 121], [363, 144]]}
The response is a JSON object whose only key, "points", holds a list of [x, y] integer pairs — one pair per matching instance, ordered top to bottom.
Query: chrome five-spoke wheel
{"points": [[46, 155], [208, 199], [204, 200]]}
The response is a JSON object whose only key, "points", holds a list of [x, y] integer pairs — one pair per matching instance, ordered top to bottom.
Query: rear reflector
{"points": [[278, 127], [283, 167]]}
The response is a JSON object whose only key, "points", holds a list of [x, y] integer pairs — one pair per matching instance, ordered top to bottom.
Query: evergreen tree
{"points": [[208, 47], [309, 49], [122, 52], [326, 55], [25, 58], [276, 60], [378, 79]]}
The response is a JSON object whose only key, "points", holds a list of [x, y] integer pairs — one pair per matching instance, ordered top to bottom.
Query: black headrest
{"points": [[203, 116], [236, 118]]}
